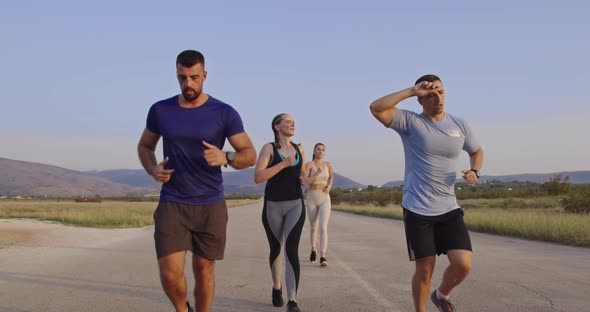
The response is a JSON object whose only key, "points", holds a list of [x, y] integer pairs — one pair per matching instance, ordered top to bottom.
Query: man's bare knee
{"points": [[460, 261], [461, 267], [171, 268], [203, 268], [424, 268], [171, 277]]}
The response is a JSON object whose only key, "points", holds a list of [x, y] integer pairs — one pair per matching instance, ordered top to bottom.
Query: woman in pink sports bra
{"points": [[320, 179]]}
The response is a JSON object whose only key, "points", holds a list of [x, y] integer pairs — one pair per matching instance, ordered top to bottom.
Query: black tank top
{"points": [[284, 185]]}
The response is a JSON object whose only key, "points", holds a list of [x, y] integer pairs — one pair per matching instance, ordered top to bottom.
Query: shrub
{"points": [[557, 185], [577, 201]]}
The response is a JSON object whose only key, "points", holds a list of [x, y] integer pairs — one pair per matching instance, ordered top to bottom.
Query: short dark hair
{"points": [[190, 58], [429, 78]]}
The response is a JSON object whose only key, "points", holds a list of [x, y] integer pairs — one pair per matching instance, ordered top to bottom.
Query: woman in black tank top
{"points": [[280, 164], [285, 185]]}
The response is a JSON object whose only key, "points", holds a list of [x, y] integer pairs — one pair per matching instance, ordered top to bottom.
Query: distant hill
{"points": [[133, 177], [576, 177], [34, 179], [235, 182]]}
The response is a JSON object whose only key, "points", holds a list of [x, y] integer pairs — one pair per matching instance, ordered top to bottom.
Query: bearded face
{"points": [[191, 80], [190, 94]]}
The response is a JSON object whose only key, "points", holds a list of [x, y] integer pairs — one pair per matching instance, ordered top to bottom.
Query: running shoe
{"points": [[312, 256], [323, 262], [277, 297], [441, 304], [292, 306]]}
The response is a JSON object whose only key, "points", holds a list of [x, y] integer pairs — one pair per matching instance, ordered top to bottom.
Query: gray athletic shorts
{"points": [[198, 228]]}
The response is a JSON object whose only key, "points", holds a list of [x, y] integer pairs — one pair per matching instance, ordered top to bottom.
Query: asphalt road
{"points": [[116, 270]]}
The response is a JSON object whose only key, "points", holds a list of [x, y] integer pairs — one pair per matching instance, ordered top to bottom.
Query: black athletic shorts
{"points": [[198, 228], [434, 235]]}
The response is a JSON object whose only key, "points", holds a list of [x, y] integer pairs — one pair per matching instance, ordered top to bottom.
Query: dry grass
{"points": [[516, 203], [389, 211], [108, 214], [543, 224], [550, 224]]}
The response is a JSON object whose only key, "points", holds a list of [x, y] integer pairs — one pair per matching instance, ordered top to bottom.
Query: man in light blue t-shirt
{"points": [[433, 220]]}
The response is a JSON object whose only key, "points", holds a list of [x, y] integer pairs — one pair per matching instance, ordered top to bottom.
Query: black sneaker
{"points": [[312, 256], [323, 262], [277, 297], [441, 304], [188, 306], [292, 306]]}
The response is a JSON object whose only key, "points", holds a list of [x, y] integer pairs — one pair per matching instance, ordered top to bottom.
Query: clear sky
{"points": [[77, 78]]}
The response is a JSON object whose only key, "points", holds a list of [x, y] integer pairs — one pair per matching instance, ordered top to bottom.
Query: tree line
{"points": [[575, 198]]}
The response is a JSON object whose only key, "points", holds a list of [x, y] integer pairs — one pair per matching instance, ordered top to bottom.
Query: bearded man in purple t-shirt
{"points": [[192, 214]]}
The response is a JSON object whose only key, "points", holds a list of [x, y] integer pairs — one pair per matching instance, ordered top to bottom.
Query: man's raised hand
{"points": [[424, 88]]}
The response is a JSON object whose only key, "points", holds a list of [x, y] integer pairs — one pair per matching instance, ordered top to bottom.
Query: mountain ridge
{"points": [[21, 178], [36, 179], [234, 182]]}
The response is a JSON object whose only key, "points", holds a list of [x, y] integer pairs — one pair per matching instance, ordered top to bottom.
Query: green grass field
{"points": [[107, 214], [549, 223]]}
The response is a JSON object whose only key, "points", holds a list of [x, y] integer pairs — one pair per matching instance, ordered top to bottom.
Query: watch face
{"points": [[230, 156]]}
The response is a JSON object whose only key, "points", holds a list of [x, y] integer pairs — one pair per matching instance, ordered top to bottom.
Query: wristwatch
{"points": [[230, 157], [475, 171]]}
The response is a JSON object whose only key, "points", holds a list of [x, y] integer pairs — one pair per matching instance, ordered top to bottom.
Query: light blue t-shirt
{"points": [[431, 150]]}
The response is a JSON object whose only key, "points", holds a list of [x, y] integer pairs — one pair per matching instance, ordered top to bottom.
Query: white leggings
{"points": [[318, 206]]}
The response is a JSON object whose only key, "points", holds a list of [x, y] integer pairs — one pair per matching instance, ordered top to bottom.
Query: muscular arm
{"points": [[383, 109], [146, 150], [245, 155], [476, 159]]}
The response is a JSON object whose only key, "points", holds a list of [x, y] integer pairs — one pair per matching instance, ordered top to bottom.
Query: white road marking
{"points": [[368, 288]]}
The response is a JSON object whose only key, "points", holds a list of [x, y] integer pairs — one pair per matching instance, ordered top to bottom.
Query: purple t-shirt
{"points": [[193, 181]]}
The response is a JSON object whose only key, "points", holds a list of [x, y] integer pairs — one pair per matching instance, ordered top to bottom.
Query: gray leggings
{"points": [[283, 222]]}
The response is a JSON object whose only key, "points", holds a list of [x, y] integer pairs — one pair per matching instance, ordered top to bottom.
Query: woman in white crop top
{"points": [[320, 179]]}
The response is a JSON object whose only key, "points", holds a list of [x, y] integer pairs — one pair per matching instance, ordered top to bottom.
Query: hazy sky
{"points": [[77, 79]]}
